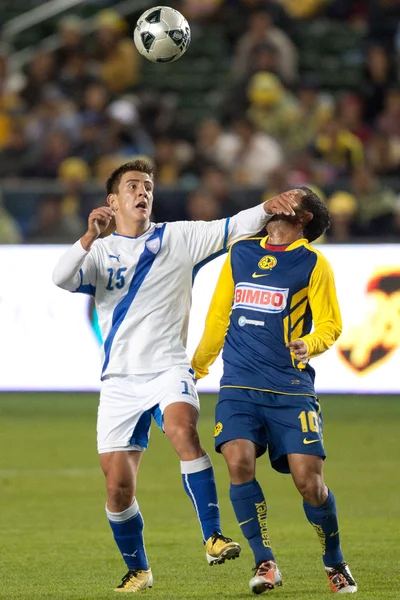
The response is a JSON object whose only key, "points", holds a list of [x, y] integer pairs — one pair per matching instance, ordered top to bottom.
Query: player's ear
{"points": [[112, 201], [307, 217]]}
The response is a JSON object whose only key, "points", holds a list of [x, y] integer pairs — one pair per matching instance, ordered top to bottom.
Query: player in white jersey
{"points": [[141, 278]]}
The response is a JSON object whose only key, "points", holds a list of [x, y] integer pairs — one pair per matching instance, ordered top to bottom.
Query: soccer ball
{"points": [[162, 34]]}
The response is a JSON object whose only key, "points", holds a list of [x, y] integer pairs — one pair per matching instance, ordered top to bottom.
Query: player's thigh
{"points": [[177, 399], [124, 416], [237, 417], [294, 426], [121, 467]]}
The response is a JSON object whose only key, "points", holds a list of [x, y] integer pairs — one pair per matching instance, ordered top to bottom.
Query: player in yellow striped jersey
{"points": [[270, 293]]}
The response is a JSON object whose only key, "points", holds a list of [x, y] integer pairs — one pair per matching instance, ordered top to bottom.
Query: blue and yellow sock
{"points": [[199, 483], [251, 512], [325, 522], [127, 527]]}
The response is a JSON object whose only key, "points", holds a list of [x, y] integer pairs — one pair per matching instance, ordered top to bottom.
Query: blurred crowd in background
{"points": [[271, 95]]}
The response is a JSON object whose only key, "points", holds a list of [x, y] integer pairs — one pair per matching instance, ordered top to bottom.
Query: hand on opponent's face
{"points": [[284, 204]]}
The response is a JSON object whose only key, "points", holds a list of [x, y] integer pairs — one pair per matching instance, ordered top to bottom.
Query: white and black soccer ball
{"points": [[162, 34]]}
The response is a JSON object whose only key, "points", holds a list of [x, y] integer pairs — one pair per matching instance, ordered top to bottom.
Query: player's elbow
{"points": [[57, 279], [60, 280], [337, 331]]}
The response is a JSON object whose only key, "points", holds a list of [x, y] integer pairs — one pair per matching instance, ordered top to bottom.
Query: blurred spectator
{"points": [[303, 9], [197, 10], [383, 21], [262, 31], [72, 43], [115, 53], [263, 57], [41, 72], [379, 75], [75, 77], [94, 103], [273, 109], [313, 109], [54, 112], [350, 116], [389, 119], [125, 134], [212, 143], [89, 146], [338, 147], [56, 149], [383, 154], [252, 155], [18, 157], [167, 162], [74, 174], [216, 181], [375, 203], [202, 206], [343, 209], [51, 226], [9, 230]]}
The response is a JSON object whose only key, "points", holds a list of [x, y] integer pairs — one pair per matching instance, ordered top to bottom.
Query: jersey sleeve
{"points": [[205, 240], [76, 270], [324, 307], [217, 322]]}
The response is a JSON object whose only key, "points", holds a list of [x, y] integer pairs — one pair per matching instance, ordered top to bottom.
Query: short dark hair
{"points": [[143, 166], [321, 221]]}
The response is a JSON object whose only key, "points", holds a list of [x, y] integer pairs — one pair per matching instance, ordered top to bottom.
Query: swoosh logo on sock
{"points": [[244, 522], [333, 534]]}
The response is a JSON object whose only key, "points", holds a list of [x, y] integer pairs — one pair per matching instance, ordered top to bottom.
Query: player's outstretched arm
{"points": [[251, 221], [206, 239], [76, 270], [217, 322]]}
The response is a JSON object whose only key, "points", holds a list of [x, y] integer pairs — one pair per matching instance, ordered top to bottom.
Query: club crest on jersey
{"points": [[153, 245], [267, 263], [260, 298], [217, 429]]}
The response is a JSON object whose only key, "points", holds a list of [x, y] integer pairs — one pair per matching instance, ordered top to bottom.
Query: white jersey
{"points": [[142, 287]]}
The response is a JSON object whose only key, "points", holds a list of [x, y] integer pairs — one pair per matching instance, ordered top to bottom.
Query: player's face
{"points": [[134, 200]]}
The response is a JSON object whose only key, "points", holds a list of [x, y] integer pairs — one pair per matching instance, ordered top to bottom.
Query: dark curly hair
{"points": [[140, 165], [321, 219]]}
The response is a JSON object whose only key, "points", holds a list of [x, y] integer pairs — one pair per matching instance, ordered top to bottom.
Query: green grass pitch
{"points": [[55, 542]]}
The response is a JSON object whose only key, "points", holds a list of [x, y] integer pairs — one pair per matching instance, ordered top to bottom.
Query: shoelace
{"points": [[218, 536], [263, 568], [342, 570], [130, 573]]}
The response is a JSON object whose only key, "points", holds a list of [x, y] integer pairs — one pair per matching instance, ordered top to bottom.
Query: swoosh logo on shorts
{"points": [[255, 275], [306, 441]]}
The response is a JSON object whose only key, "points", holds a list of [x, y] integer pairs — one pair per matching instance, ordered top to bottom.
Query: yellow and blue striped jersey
{"points": [[264, 299]]}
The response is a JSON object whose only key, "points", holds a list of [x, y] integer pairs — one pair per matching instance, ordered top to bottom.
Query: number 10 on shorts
{"points": [[309, 421]]}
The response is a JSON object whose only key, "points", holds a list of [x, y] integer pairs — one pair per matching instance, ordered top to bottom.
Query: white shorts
{"points": [[128, 402]]}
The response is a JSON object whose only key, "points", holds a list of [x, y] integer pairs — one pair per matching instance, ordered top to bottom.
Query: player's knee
{"points": [[181, 434], [241, 468], [313, 490], [119, 495]]}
